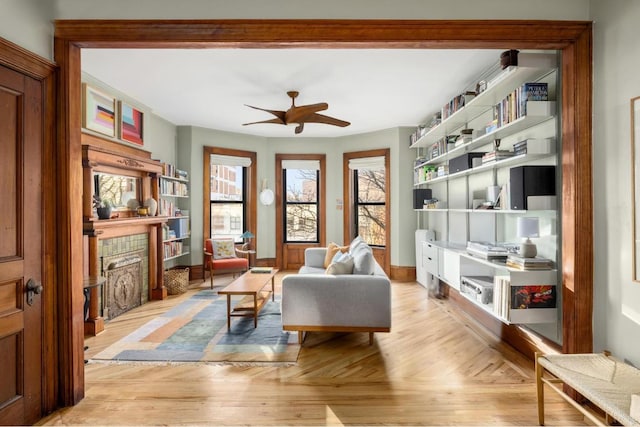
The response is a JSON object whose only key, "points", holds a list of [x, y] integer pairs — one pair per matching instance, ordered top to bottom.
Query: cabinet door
{"points": [[430, 258], [451, 269]]}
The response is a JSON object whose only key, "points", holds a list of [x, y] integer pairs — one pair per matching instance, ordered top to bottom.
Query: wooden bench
{"points": [[605, 381]]}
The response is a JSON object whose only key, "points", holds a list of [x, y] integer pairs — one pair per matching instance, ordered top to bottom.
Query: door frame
{"points": [[572, 38], [31, 65]]}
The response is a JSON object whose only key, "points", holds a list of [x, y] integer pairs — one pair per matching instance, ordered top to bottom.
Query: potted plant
{"points": [[103, 207]]}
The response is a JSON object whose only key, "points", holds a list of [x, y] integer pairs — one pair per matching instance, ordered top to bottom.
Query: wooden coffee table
{"points": [[251, 285]]}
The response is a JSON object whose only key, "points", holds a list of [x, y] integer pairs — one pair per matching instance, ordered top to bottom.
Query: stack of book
{"points": [[533, 146], [494, 156], [487, 250], [522, 263], [501, 296]]}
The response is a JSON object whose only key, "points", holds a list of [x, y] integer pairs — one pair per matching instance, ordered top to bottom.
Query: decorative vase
{"points": [[152, 206], [104, 213]]}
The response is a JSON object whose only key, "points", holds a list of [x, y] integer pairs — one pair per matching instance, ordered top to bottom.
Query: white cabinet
{"points": [[421, 271], [450, 271]]}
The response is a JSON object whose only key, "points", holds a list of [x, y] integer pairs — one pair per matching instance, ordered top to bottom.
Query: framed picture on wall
{"points": [[98, 111], [130, 126]]}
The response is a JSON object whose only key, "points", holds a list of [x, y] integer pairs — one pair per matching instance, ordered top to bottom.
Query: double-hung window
{"points": [[300, 179], [369, 187], [228, 195]]}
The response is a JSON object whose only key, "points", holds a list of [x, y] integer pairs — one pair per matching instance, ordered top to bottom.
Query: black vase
{"points": [[104, 213]]}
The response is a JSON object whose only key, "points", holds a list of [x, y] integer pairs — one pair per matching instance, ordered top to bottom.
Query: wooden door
{"points": [[21, 139]]}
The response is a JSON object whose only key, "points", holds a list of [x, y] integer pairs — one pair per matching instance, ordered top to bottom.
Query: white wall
{"points": [[333, 9], [28, 23], [616, 80], [190, 149]]}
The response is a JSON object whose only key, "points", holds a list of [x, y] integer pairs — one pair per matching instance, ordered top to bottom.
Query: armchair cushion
{"points": [[223, 249]]}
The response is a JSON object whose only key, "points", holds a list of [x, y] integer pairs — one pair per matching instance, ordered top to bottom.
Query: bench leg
{"points": [[300, 337], [370, 338], [539, 390]]}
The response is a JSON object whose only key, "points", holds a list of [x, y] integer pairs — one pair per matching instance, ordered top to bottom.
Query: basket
{"points": [[176, 280]]}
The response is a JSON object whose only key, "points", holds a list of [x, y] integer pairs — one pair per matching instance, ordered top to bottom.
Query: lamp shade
{"points": [[528, 227], [247, 235]]}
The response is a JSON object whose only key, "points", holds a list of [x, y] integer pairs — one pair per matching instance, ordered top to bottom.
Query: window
{"points": [[301, 187], [228, 195], [369, 197]]}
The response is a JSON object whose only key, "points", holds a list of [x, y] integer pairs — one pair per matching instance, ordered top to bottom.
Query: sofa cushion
{"points": [[332, 249], [342, 266]]}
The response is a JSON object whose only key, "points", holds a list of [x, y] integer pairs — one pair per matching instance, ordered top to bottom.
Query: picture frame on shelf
{"points": [[98, 111], [130, 124]]}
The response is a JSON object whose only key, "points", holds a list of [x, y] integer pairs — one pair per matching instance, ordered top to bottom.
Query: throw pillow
{"points": [[355, 243], [223, 249], [332, 249], [363, 260], [345, 266]]}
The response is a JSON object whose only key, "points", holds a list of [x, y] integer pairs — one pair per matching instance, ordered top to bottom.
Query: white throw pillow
{"points": [[223, 249], [363, 260], [344, 266]]}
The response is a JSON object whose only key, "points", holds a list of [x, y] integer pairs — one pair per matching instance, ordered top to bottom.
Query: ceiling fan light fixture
{"points": [[299, 115]]}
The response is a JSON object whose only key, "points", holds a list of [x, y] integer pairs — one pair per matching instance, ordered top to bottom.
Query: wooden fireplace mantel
{"points": [[106, 156]]}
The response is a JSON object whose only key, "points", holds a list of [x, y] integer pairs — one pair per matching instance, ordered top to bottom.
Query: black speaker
{"points": [[525, 181], [419, 196]]}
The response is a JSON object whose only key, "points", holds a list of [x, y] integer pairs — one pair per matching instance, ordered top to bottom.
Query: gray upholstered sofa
{"points": [[358, 302]]}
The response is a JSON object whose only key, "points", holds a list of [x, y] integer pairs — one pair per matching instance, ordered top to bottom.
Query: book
{"points": [[486, 250], [522, 263], [261, 270], [533, 296]]}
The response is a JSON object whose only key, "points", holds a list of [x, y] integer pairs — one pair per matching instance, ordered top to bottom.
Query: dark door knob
{"points": [[33, 288]]}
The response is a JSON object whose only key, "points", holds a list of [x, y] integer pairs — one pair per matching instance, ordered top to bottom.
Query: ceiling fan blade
{"points": [[279, 114], [297, 114], [320, 118], [275, 121]]}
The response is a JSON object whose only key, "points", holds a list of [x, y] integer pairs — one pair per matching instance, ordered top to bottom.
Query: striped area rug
{"points": [[196, 331]]}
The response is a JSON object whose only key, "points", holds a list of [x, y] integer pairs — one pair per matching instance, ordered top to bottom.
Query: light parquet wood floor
{"points": [[436, 367]]}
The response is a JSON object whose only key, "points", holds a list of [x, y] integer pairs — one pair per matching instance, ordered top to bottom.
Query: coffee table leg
{"points": [[273, 293], [255, 310], [228, 311]]}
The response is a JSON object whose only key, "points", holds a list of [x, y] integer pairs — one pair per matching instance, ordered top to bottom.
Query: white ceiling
{"points": [[371, 88]]}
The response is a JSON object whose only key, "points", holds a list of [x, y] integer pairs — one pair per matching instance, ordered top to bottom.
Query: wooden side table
{"points": [[247, 253]]}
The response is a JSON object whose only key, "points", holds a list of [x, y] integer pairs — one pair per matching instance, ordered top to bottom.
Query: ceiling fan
{"points": [[300, 115]]}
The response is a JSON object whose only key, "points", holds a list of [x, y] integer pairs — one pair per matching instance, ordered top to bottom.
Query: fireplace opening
{"points": [[123, 288]]}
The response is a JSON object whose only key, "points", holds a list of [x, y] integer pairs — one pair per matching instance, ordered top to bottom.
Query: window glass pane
{"points": [[226, 183], [301, 185], [371, 185], [226, 220], [302, 223], [371, 224]]}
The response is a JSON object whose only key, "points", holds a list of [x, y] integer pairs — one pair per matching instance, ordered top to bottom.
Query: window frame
{"points": [[250, 189], [243, 202], [286, 204], [357, 204], [350, 230]]}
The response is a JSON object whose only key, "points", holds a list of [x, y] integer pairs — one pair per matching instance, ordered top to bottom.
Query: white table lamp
{"points": [[528, 227]]}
